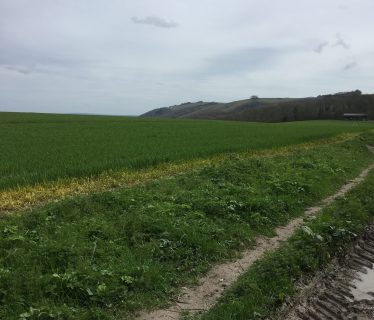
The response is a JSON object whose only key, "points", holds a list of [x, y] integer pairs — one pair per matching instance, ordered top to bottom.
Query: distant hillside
{"points": [[273, 109]]}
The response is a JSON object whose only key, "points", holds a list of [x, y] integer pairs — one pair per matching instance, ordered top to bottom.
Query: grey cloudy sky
{"points": [[126, 56]]}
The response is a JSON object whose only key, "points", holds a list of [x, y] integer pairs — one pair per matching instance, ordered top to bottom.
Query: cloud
{"points": [[155, 21], [341, 42], [321, 47], [28, 61], [349, 66], [20, 69]]}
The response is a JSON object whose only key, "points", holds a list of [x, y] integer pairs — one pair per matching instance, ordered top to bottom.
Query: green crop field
{"points": [[37, 148], [108, 252]]}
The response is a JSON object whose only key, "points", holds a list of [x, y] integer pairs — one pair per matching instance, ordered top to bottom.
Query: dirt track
{"points": [[212, 286], [344, 291]]}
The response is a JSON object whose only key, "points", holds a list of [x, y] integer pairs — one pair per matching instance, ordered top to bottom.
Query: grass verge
{"points": [[104, 256], [264, 287]]}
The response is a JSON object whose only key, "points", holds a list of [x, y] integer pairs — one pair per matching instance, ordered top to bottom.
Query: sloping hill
{"points": [[274, 109]]}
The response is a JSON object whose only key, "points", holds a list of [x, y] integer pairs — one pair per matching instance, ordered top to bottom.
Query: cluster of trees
{"points": [[343, 93], [322, 107]]}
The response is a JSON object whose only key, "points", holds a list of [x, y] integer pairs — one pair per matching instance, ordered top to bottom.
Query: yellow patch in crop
{"points": [[30, 196]]}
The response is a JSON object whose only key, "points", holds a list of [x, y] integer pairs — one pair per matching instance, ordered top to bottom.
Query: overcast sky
{"points": [[129, 56]]}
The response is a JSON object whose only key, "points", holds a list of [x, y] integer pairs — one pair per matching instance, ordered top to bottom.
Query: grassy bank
{"points": [[39, 148], [106, 255], [264, 287]]}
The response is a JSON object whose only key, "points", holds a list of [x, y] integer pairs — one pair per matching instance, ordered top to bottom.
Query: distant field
{"points": [[41, 147]]}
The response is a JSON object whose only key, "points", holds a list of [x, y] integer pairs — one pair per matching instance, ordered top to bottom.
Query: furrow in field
{"points": [[202, 297]]}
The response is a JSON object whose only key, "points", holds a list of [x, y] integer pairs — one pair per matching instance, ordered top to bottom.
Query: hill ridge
{"points": [[331, 106]]}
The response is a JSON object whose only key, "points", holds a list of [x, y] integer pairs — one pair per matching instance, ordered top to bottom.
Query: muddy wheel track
{"points": [[343, 292]]}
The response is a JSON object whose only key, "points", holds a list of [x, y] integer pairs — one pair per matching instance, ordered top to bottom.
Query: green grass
{"points": [[35, 148], [103, 256], [266, 285]]}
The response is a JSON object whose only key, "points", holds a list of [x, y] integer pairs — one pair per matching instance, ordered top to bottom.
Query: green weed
{"points": [[266, 285]]}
